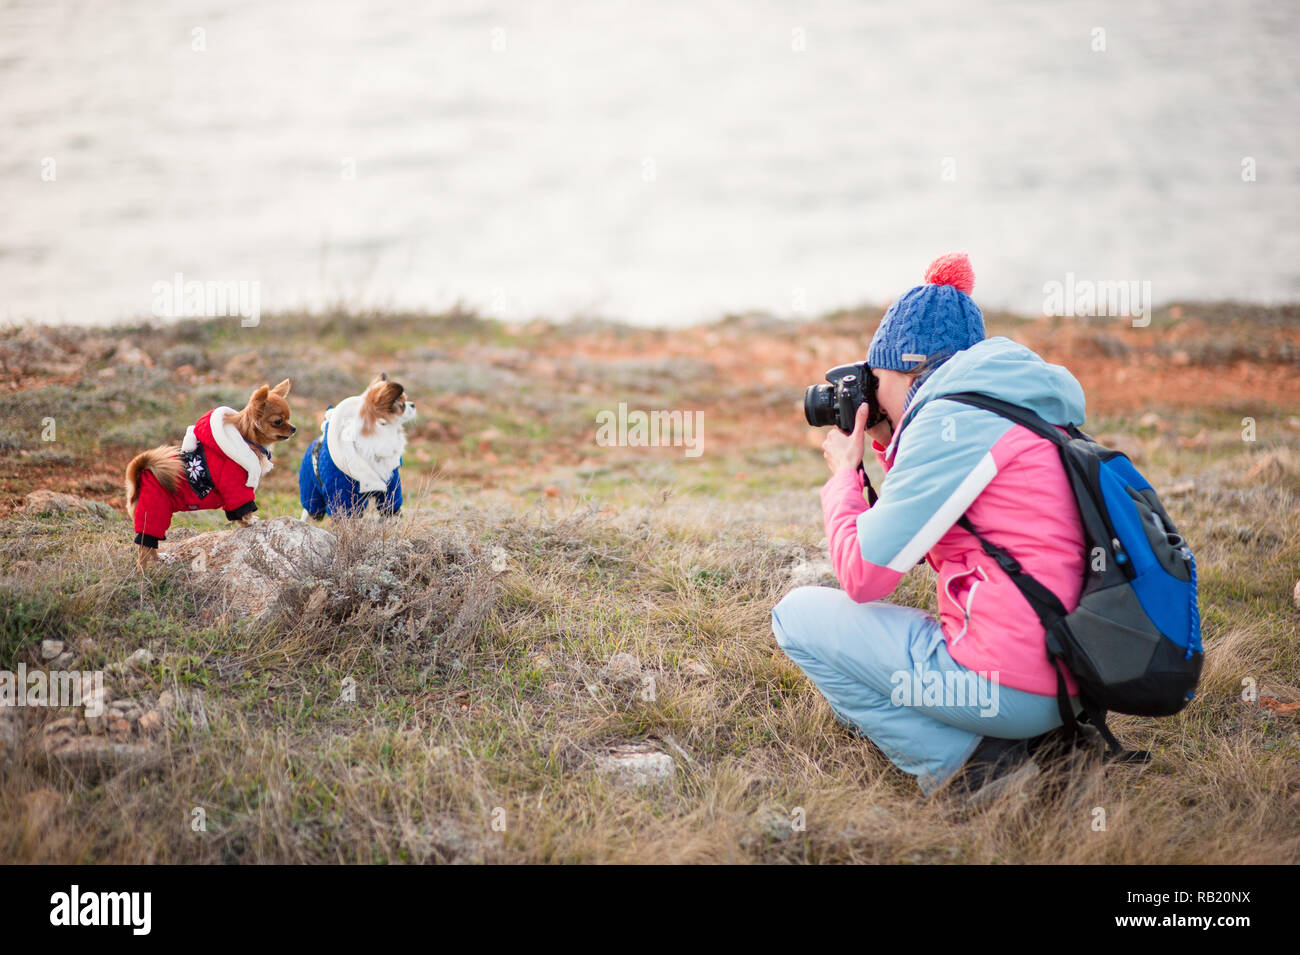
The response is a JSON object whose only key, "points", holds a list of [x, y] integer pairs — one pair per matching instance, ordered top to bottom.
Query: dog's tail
{"points": [[163, 461]]}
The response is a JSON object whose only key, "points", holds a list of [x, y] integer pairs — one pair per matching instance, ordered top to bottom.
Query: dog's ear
{"points": [[282, 389], [388, 394], [260, 395]]}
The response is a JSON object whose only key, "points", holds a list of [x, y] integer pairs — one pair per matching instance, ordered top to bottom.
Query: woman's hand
{"points": [[844, 451]]}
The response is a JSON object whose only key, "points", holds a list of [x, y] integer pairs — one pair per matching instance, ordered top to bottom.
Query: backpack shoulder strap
{"points": [[1021, 416], [1046, 604], [1051, 612]]}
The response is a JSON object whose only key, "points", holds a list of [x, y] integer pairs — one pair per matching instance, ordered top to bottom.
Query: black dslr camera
{"points": [[837, 403]]}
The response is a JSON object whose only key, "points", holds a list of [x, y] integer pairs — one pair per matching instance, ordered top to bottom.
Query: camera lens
{"points": [[819, 405]]}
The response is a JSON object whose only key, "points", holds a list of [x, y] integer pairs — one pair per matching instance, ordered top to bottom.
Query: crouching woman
{"points": [[964, 699]]}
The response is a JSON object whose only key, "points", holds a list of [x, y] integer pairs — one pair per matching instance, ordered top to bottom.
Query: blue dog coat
{"points": [[324, 488]]}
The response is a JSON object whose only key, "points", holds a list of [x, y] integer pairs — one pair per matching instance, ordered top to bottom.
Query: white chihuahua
{"points": [[358, 456]]}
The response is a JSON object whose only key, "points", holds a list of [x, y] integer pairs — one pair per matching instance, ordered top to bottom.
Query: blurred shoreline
{"points": [[661, 164], [1273, 312]]}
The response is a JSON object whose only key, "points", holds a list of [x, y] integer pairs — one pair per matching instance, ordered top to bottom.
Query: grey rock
{"points": [[42, 503], [248, 565], [811, 573], [622, 667], [696, 668], [128, 710], [68, 725], [93, 756], [636, 765], [774, 824]]}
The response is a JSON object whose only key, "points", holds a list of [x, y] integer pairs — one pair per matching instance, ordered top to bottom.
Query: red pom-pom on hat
{"points": [[952, 269]]}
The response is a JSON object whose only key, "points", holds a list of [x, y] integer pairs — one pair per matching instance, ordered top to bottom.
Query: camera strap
{"points": [[872, 496]]}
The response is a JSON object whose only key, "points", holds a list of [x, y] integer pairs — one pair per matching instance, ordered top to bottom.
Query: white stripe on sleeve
{"points": [[942, 519]]}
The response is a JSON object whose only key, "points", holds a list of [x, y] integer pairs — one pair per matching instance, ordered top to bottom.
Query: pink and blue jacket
{"points": [[947, 459]]}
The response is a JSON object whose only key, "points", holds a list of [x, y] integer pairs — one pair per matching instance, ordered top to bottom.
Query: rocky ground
{"points": [[561, 651]]}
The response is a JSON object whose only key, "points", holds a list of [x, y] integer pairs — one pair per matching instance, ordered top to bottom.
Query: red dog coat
{"points": [[220, 469]]}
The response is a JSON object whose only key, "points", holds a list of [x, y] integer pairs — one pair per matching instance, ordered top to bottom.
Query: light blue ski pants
{"points": [[886, 672]]}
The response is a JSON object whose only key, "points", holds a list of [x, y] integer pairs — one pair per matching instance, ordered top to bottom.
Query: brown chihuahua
{"points": [[218, 465]]}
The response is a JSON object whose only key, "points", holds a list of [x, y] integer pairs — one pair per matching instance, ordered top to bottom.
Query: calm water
{"points": [[660, 162]]}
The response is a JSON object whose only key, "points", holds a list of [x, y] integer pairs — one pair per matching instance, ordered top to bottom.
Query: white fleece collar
{"points": [[341, 439], [232, 445]]}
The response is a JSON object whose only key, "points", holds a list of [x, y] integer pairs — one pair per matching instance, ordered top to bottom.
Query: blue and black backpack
{"points": [[1133, 644]]}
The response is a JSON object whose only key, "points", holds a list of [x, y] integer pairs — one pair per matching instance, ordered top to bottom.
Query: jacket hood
{"points": [[1004, 369]]}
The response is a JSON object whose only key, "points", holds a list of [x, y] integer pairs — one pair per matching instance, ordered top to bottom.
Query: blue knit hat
{"points": [[932, 321]]}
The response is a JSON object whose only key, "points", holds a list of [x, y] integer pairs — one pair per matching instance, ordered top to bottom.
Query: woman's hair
{"points": [[921, 369], [919, 372]]}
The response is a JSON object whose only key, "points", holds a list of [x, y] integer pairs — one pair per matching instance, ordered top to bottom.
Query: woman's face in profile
{"points": [[891, 389]]}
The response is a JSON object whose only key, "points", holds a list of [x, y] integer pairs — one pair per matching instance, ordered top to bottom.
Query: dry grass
{"points": [[478, 631]]}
